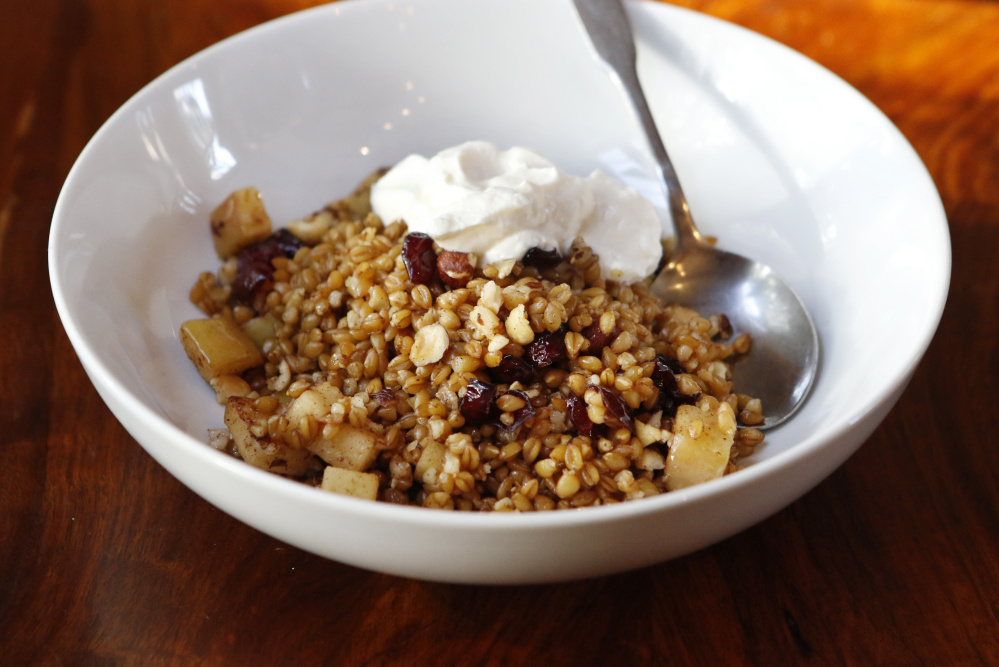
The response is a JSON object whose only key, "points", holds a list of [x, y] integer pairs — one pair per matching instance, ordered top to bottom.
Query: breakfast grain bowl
{"points": [[782, 161], [358, 357]]}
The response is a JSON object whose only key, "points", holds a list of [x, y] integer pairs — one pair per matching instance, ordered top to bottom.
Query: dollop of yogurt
{"points": [[499, 204]]}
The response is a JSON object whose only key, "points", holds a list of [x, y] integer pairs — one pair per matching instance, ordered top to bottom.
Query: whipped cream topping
{"points": [[499, 204]]}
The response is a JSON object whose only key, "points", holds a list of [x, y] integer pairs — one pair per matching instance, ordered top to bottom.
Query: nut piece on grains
{"points": [[239, 221], [311, 229], [505, 267], [456, 268], [492, 296], [485, 322], [518, 327], [429, 345], [217, 346], [649, 434], [703, 435], [350, 483]]}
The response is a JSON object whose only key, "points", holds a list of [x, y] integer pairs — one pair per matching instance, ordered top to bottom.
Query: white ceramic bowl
{"points": [[780, 159]]}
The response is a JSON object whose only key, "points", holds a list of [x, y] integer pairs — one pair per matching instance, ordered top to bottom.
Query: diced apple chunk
{"points": [[239, 221], [259, 329], [217, 346], [229, 385], [310, 403], [702, 442], [351, 448], [261, 452], [433, 457], [350, 482]]}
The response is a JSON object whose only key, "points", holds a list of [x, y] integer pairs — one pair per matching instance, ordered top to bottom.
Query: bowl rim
{"points": [[175, 437]]}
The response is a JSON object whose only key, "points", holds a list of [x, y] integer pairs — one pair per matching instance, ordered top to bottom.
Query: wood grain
{"points": [[106, 559]]}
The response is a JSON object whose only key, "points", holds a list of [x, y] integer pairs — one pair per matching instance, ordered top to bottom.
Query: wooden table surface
{"points": [[107, 559]]}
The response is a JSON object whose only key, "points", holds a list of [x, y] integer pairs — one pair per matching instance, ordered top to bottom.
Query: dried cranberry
{"points": [[287, 242], [419, 257], [542, 259], [254, 269], [252, 277], [598, 339], [547, 348], [664, 364], [513, 369], [664, 377], [385, 397], [477, 405], [576, 409], [616, 413], [522, 415]]}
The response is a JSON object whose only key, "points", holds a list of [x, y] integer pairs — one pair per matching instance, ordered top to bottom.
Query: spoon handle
{"points": [[610, 32]]}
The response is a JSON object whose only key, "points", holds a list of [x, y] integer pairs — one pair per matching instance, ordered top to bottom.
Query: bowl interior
{"points": [[780, 159]]}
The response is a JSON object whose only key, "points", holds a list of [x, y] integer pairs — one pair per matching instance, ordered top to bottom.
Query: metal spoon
{"points": [[784, 359]]}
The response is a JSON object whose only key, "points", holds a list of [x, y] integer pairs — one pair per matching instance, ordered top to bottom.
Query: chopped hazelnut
{"points": [[456, 268], [492, 296], [485, 322], [518, 327], [429, 345]]}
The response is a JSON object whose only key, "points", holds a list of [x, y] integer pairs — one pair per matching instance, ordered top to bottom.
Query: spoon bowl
{"points": [[784, 361]]}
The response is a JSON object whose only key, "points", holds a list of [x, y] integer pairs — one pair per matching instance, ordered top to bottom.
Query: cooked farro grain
{"points": [[504, 387]]}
